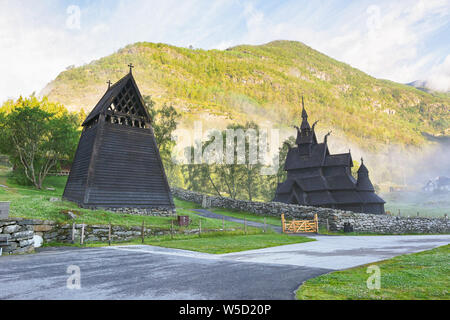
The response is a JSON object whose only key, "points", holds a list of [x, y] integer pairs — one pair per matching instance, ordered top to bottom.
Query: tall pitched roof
{"points": [[112, 92], [363, 183]]}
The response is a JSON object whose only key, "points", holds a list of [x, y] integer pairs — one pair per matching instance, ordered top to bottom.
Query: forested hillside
{"points": [[264, 83]]}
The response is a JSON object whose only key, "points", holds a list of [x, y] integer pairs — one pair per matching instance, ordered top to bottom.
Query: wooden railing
{"points": [[300, 226]]}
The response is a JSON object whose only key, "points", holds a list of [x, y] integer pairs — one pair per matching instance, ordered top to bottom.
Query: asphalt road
{"points": [[147, 272]]}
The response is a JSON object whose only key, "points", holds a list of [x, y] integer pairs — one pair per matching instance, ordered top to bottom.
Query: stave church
{"points": [[317, 178]]}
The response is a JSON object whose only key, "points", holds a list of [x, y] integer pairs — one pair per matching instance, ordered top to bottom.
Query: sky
{"points": [[402, 41]]}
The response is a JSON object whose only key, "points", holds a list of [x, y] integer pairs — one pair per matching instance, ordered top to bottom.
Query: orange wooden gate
{"points": [[299, 226]]}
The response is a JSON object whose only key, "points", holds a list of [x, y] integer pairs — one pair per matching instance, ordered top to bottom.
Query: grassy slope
{"points": [[264, 83], [28, 202], [227, 243], [424, 275]]}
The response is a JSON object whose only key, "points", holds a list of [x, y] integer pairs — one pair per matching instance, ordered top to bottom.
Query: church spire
{"points": [[304, 114], [305, 124], [305, 134], [362, 169], [363, 182]]}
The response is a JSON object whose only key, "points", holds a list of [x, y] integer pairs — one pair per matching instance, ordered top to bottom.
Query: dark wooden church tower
{"points": [[117, 163], [317, 178]]}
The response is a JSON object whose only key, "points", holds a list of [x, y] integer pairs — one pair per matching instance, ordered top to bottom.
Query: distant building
{"points": [[117, 162], [317, 178], [440, 184]]}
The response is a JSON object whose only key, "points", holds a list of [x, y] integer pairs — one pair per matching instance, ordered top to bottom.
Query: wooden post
{"points": [[417, 213], [316, 219], [282, 223], [264, 224], [245, 225], [328, 226], [200, 228], [171, 230], [143, 231], [73, 233], [82, 234], [109, 234]]}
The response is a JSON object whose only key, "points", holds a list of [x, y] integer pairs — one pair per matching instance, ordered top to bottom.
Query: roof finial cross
{"points": [[131, 67], [109, 83], [362, 160]]}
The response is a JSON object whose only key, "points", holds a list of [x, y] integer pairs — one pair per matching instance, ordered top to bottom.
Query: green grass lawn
{"points": [[411, 203], [185, 204], [408, 209], [231, 243], [424, 275]]}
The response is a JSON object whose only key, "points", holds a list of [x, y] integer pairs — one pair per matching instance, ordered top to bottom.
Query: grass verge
{"points": [[423, 275]]}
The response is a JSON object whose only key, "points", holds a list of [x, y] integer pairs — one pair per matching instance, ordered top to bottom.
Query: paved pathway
{"points": [[341, 252], [148, 272]]}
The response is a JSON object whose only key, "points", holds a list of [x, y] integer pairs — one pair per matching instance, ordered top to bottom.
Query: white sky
{"points": [[402, 41]]}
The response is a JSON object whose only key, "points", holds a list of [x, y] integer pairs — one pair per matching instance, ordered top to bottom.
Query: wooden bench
{"points": [[3, 242]]}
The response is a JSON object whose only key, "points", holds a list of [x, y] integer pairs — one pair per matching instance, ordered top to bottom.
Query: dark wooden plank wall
{"points": [[128, 171], [76, 183]]}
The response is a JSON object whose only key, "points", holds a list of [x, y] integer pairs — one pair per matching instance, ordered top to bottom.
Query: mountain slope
{"points": [[264, 83]]}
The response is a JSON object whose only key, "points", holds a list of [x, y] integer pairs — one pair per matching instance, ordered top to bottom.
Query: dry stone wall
{"points": [[157, 211], [335, 219], [51, 231], [19, 234]]}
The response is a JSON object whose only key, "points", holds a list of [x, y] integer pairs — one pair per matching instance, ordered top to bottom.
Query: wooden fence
{"points": [[300, 226]]}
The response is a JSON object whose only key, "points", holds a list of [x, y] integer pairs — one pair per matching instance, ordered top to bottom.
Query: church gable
{"points": [[122, 103], [127, 107]]}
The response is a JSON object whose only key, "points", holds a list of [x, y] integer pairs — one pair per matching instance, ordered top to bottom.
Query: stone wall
{"points": [[157, 211], [334, 218], [51, 231], [19, 234]]}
